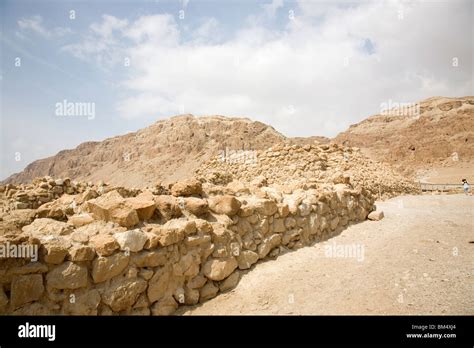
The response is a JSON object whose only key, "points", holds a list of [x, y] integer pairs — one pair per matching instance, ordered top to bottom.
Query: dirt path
{"points": [[418, 260]]}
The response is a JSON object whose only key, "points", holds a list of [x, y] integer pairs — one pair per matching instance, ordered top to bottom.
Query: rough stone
{"points": [[186, 188], [228, 205], [196, 206], [168, 207], [376, 215], [80, 219], [133, 240], [104, 244], [268, 244], [247, 258], [104, 268], [219, 269], [68, 275], [230, 282], [26, 288], [208, 291], [122, 293]]}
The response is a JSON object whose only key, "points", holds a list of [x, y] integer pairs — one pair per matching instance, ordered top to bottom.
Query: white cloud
{"points": [[35, 24], [108, 26], [157, 30], [207, 32], [101, 44], [312, 77]]}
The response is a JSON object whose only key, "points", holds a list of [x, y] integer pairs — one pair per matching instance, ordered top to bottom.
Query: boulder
{"points": [[185, 188], [143, 204], [228, 205], [196, 206], [112, 207], [168, 207], [265, 207], [376, 215], [80, 219], [48, 227], [174, 231], [133, 240], [104, 244], [268, 244], [55, 250], [81, 253], [150, 258], [246, 259], [104, 268], [219, 269], [68, 275], [197, 282], [230, 282], [158, 284], [26, 288], [208, 291], [121, 294], [191, 296], [85, 302], [166, 306]]}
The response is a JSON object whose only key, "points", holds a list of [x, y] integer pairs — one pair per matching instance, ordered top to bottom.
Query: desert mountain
{"points": [[437, 135], [166, 151]]}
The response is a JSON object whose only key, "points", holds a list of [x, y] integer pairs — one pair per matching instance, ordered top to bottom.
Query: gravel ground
{"points": [[418, 260]]}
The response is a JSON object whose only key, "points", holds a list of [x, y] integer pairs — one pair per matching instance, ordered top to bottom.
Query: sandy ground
{"points": [[449, 175], [418, 260]]}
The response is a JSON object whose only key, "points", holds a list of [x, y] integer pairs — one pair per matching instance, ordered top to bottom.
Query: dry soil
{"points": [[418, 260]]}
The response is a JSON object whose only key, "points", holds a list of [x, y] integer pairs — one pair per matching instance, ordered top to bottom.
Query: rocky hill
{"points": [[436, 134], [166, 151]]}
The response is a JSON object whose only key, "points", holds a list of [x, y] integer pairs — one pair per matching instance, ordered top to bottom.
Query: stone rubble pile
{"points": [[290, 167], [44, 190], [111, 251]]}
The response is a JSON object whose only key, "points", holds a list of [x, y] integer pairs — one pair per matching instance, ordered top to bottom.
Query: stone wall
{"points": [[293, 166], [46, 189], [150, 253]]}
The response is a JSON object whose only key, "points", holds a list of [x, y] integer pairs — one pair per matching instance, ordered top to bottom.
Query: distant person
{"points": [[465, 186]]}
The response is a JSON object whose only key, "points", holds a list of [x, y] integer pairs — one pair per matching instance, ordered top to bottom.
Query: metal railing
{"points": [[440, 187]]}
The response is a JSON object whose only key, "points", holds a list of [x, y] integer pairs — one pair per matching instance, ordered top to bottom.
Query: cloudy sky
{"points": [[306, 67]]}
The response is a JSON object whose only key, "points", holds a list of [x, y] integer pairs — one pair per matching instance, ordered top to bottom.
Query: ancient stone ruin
{"points": [[98, 249]]}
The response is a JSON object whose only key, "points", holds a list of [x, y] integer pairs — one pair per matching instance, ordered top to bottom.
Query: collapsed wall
{"points": [[288, 167], [105, 251]]}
